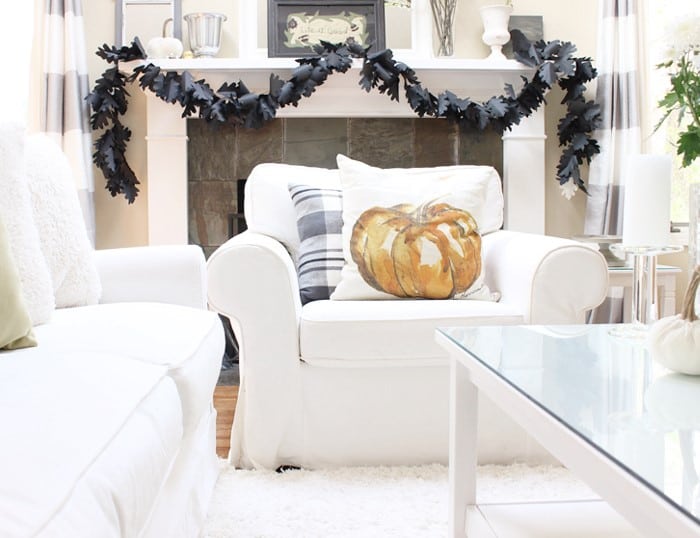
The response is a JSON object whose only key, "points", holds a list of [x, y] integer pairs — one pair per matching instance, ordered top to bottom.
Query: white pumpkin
{"points": [[164, 47], [674, 342]]}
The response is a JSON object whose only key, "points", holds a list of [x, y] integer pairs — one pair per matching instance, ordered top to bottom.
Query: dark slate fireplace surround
{"points": [[220, 156]]}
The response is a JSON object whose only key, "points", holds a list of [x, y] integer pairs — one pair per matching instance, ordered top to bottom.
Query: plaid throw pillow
{"points": [[319, 221]]}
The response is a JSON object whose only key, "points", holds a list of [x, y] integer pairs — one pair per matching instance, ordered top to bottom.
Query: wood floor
{"points": [[225, 397]]}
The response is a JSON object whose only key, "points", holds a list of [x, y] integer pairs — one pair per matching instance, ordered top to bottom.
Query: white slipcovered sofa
{"points": [[363, 382], [108, 427]]}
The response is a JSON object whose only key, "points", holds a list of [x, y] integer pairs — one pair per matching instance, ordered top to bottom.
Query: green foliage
{"points": [[683, 100], [233, 102]]}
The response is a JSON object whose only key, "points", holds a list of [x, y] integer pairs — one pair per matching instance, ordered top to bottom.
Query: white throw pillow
{"points": [[16, 211], [59, 221], [414, 232]]}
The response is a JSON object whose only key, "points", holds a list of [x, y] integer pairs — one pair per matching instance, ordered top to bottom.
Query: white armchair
{"points": [[363, 382]]}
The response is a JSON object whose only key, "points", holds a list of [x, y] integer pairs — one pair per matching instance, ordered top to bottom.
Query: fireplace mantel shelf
{"points": [[234, 65]]}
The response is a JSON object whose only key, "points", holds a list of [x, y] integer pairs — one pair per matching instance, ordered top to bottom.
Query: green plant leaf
{"points": [[689, 145]]}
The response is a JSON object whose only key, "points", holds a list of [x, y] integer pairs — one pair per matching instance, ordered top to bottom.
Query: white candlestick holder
{"points": [[645, 301]]}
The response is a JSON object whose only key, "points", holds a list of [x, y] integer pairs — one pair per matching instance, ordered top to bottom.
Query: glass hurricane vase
{"points": [[694, 232]]}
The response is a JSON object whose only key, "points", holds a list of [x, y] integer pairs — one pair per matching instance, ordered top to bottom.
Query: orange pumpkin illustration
{"points": [[433, 251]]}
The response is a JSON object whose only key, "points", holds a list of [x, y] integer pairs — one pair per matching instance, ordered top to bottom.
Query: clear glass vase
{"points": [[694, 232]]}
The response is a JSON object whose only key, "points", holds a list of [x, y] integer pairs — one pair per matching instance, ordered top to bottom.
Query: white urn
{"points": [[496, 34]]}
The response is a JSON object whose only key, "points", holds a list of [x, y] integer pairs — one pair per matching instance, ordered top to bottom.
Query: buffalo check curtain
{"points": [[619, 60], [64, 113]]}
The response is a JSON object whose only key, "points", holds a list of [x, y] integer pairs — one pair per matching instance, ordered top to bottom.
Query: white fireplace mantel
{"points": [[340, 96]]}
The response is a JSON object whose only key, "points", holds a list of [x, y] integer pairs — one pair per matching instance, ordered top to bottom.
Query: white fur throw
{"points": [[16, 211], [59, 220]]}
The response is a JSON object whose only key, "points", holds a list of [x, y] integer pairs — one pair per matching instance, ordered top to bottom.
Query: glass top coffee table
{"points": [[623, 424]]}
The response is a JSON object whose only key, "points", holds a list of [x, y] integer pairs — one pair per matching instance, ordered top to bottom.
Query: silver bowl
{"points": [[204, 30]]}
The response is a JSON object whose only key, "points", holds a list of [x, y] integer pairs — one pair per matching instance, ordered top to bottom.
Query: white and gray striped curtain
{"points": [[619, 62], [64, 111]]}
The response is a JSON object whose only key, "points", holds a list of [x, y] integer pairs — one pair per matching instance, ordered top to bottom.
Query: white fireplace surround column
{"points": [[340, 96]]}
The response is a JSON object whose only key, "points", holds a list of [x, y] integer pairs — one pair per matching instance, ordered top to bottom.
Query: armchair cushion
{"points": [[415, 232], [389, 333]]}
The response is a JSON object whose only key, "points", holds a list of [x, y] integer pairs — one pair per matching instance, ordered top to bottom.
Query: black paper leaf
{"points": [[551, 49], [585, 70], [302, 73], [547, 73], [408, 74], [147, 75], [366, 76], [288, 95], [421, 101], [496, 108]]}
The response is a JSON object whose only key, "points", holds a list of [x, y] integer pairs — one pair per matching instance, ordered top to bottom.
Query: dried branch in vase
{"points": [[444, 18]]}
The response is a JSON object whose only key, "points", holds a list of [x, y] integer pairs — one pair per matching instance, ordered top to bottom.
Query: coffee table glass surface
{"points": [[608, 391]]}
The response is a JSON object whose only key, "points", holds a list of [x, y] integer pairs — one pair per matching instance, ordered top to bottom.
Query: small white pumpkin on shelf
{"points": [[164, 47], [674, 342]]}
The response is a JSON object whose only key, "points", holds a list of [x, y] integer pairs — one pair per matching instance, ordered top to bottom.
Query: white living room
{"points": [[350, 268]]}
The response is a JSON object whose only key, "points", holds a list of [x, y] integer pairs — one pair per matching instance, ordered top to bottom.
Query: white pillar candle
{"points": [[647, 209]]}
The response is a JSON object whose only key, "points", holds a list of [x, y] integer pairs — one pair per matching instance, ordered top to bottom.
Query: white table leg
{"points": [[463, 434]]}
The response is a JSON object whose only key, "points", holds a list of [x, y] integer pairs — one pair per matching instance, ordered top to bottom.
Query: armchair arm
{"points": [[166, 274], [550, 279], [253, 282]]}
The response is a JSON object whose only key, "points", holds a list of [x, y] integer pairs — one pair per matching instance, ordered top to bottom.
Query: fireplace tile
{"points": [[315, 141], [383, 142], [436, 142], [257, 146], [485, 147], [211, 151], [210, 203]]}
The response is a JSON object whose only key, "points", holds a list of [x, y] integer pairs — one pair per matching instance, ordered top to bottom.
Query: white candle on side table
{"points": [[647, 209], [645, 232]]}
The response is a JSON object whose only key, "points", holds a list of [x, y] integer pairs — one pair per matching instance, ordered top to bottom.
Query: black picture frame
{"points": [[282, 43]]}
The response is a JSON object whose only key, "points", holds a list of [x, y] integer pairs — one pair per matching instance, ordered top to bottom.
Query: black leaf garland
{"points": [[554, 63]]}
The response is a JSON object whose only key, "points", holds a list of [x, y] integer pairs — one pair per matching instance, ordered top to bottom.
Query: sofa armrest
{"points": [[173, 274], [550, 279], [253, 282]]}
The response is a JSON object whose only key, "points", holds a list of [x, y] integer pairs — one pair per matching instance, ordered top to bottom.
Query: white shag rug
{"points": [[403, 502]]}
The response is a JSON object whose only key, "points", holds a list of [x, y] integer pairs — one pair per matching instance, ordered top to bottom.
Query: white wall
{"points": [[120, 224]]}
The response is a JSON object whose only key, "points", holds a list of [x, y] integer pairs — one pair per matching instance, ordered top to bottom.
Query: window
{"points": [[668, 23], [16, 41]]}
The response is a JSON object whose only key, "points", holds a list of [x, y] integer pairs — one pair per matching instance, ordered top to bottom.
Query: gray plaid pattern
{"points": [[319, 221]]}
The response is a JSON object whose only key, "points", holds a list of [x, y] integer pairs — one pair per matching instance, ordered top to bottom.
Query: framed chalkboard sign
{"points": [[295, 26]]}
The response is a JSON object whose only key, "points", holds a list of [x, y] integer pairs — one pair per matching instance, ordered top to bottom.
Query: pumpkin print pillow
{"points": [[415, 233]]}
